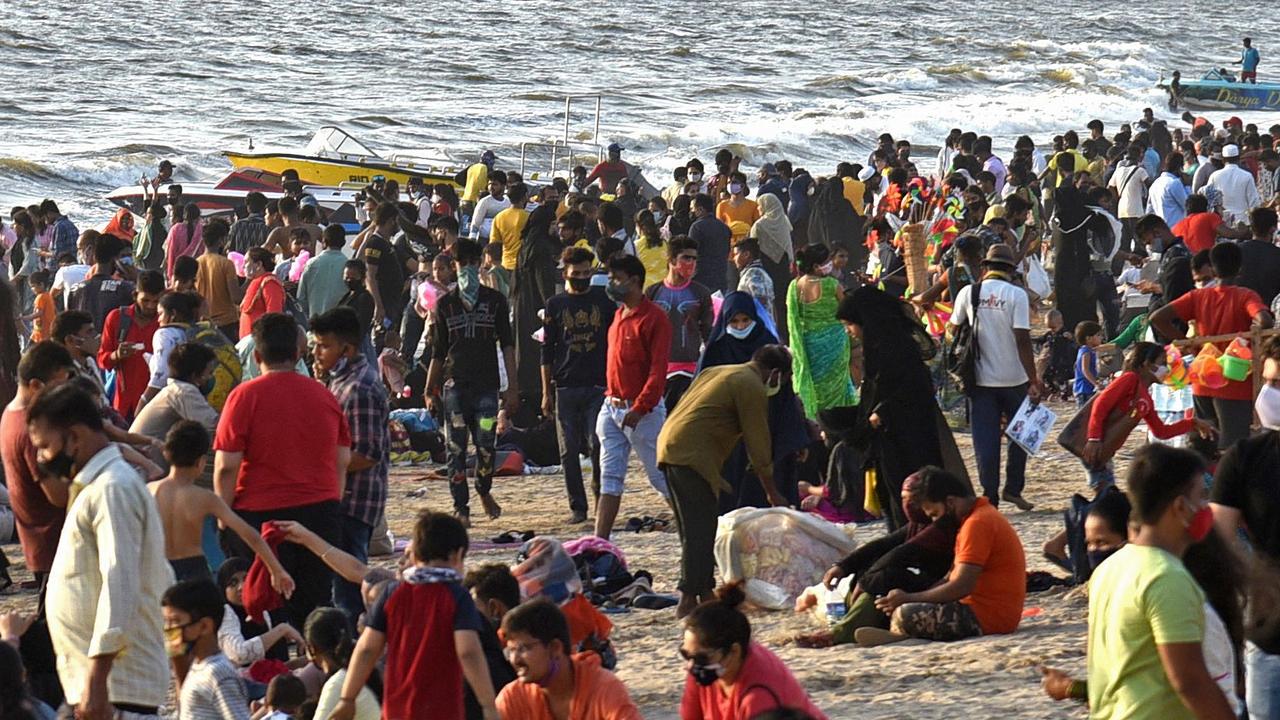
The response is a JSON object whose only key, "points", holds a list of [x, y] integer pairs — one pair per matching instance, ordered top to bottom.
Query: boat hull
{"points": [[1216, 95], [334, 171]]}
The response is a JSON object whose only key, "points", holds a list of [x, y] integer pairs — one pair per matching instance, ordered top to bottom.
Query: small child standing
{"points": [[44, 310], [1088, 337], [184, 507], [430, 629], [209, 686]]}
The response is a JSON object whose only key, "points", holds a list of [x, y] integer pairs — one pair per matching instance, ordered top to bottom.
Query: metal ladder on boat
{"points": [[563, 154]]}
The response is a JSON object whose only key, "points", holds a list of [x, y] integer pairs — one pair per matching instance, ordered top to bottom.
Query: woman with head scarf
{"points": [[121, 226], [773, 232], [534, 282], [740, 330], [899, 427]]}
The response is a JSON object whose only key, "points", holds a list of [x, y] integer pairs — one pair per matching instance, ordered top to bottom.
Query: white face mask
{"points": [[826, 269], [1161, 373], [1268, 407]]}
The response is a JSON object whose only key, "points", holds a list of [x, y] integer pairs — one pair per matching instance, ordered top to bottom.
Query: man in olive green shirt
{"points": [[724, 404]]}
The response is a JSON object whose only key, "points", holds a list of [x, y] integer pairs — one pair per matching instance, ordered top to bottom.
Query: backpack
{"points": [[962, 354], [228, 372]]}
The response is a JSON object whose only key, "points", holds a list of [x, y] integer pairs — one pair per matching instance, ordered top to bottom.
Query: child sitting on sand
{"points": [[184, 507]]}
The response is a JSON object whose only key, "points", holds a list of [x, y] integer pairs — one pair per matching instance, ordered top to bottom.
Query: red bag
{"points": [[258, 595]]}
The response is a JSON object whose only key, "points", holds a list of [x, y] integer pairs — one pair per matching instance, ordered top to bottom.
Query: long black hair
{"points": [[328, 632]]}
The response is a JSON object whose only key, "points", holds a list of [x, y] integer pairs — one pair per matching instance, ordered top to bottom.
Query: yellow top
{"points": [[1081, 164], [477, 182], [855, 192], [748, 212], [507, 227], [724, 404]]}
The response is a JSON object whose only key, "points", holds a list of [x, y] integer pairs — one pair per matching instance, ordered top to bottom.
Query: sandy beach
{"points": [[985, 677]]}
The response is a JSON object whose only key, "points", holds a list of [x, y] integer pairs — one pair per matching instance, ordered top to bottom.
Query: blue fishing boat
{"points": [[1219, 90]]}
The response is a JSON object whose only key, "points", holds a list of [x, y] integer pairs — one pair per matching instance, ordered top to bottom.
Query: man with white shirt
{"points": [[947, 154], [990, 163], [1129, 187], [1238, 189], [1168, 197], [489, 207], [1006, 372], [109, 572]]}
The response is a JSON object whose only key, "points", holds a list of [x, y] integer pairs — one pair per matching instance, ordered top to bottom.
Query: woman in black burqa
{"points": [[533, 283], [899, 428]]}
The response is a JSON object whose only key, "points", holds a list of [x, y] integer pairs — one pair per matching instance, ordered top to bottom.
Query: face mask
{"points": [[695, 177], [735, 188], [435, 199], [658, 217], [826, 269], [469, 284], [355, 285], [579, 285], [617, 292], [742, 333], [1161, 373], [208, 385], [1268, 407], [61, 466], [1201, 524], [1097, 556], [172, 635], [552, 670], [705, 675]]}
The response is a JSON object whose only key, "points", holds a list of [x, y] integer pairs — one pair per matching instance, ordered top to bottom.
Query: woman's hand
{"points": [[1206, 430], [1093, 453], [832, 577], [1056, 683]]}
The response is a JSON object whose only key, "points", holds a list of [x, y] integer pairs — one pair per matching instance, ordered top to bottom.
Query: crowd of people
{"points": [[196, 446]]}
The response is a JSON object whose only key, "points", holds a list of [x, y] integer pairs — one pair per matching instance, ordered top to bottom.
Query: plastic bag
{"points": [[1037, 278], [778, 552], [822, 603]]}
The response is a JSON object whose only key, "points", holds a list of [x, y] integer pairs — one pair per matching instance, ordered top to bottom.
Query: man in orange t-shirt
{"points": [[1221, 310], [987, 586]]}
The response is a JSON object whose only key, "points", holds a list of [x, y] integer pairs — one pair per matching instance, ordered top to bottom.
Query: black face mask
{"points": [[355, 285], [579, 285], [61, 466]]}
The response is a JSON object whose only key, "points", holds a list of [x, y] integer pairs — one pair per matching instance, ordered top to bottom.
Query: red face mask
{"points": [[1201, 524]]}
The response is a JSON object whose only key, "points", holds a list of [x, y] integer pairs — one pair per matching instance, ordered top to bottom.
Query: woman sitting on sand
{"points": [[729, 676]]}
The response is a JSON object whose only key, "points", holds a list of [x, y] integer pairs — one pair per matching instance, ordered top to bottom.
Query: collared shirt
{"points": [[1168, 198], [248, 233], [65, 237], [755, 281], [321, 286], [639, 345], [178, 400], [364, 401], [724, 405], [106, 582]]}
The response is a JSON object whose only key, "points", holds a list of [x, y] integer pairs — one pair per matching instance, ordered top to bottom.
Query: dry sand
{"points": [[986, 677]]}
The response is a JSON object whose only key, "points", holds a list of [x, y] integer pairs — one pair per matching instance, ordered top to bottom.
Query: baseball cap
{"points": [[1233, 120], [615, 148], [1231, 151]]}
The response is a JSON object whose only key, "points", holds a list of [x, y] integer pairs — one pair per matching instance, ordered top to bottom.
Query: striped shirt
{"points": [[364, 401], [105, 584], [213, 690]]}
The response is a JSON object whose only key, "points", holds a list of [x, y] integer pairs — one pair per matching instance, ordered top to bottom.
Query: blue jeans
{"points": [[987, 406], [577, 409], [471, 412], [616, 445], [1102, 477], [354, 541], [1262, 683]]}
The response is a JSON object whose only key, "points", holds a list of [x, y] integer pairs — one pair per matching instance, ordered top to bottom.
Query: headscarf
{"points": [[832, 221], [116, 226], [773, 229], [533, 283], [895, 344], [725, 349]]}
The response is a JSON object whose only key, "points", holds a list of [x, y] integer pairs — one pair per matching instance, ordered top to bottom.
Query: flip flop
{"points": [[654, 601]]}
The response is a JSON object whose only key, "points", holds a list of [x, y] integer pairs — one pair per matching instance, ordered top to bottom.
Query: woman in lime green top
{"points": [[650, 248], [819, 345]]}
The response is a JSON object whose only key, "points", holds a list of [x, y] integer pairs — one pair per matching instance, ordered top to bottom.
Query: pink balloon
{"points": [[238, 260], [299, 264]]}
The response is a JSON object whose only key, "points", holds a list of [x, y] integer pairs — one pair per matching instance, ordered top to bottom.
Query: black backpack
{"points": [[962, 354]]}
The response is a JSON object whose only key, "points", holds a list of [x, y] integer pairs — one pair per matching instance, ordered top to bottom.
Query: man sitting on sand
{"points": [[985, 591]]}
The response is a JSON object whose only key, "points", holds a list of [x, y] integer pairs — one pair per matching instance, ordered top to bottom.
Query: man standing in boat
{"points": [[1248, 62], [475, 182]]}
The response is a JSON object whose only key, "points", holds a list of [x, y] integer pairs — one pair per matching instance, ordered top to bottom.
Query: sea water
{"points": [[93, 93]]}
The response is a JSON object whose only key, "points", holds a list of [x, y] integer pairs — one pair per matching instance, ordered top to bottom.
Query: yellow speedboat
{"points": [[335, 158]]}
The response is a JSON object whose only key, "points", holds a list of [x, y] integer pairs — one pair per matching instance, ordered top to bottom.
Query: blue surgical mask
{"points": [[735, 188], [741, 334]]}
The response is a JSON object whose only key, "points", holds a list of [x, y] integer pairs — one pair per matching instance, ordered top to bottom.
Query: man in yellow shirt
{"points": [[1071, 141], [475, 183], [855, 191], [509, 224]]}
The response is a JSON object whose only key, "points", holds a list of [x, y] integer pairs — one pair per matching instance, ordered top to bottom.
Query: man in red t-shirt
{"points": [[1200, 229], [1220, 310], [126, 341], [45, 365], [283, 447]]}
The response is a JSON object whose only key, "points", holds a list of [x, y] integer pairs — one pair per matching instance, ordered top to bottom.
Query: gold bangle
{"points": [[325, 554]]}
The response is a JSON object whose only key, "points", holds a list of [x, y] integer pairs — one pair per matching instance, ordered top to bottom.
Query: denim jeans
{"points": [[987, 405], [577, 409], [473, 412], [616, 445], [1101, 477], [355, 542], [1262, 683]]}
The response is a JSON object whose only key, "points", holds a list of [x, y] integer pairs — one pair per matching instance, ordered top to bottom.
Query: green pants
{"points": [[862, 613]]}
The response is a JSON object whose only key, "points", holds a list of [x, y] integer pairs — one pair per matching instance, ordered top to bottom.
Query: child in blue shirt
{"points": [[1088, 337]]}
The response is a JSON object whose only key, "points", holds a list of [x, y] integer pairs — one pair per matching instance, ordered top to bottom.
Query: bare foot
{"points": [[491, 507], [815, 640]]}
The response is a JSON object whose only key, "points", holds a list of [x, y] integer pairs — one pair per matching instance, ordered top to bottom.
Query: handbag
{"points": [[962, 354], [1119, 424]]}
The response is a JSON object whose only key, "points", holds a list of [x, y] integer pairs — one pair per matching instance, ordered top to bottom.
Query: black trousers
{"points": [[696, 512], [314, 579]]}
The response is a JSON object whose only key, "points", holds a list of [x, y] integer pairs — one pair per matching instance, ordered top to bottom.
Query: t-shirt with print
{"points": [[377, 251], [1002, 308], [688, 309], [1221, 310], [577, 337], [467, 341], [288, 427], [986, 539], [1140, 598], [423, 677]]}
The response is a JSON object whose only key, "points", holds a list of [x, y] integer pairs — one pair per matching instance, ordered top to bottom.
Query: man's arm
{"points": [[371, 284], [1162, 321], [1028, 359], [342, 461], [226, 468], [959, 585], [1184, 665], [474, 668]]}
